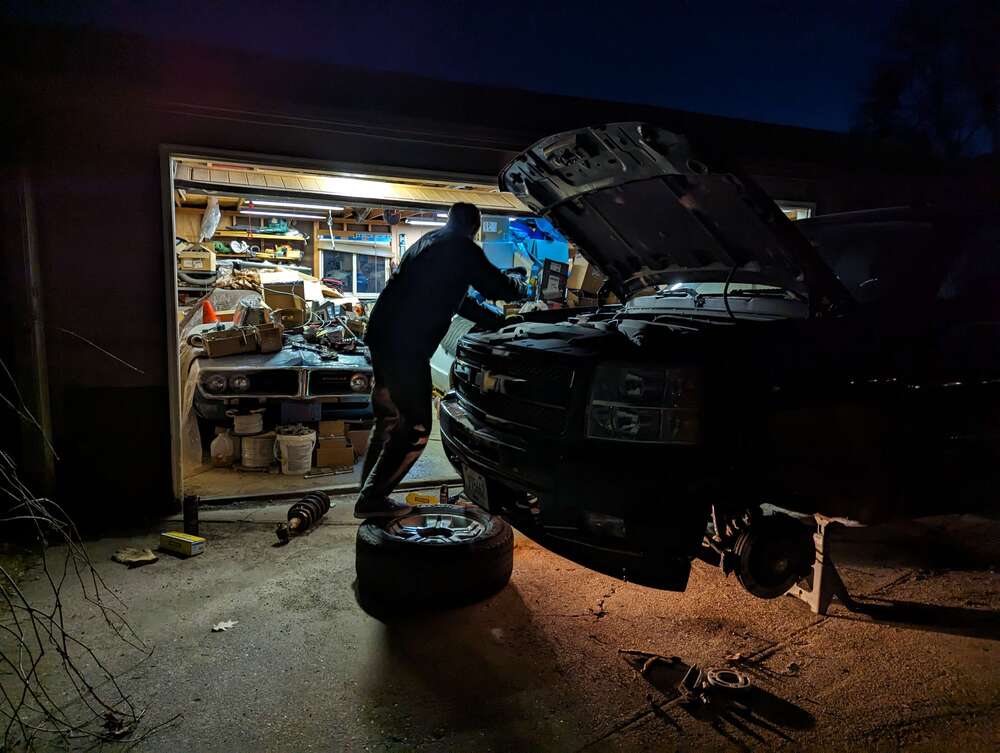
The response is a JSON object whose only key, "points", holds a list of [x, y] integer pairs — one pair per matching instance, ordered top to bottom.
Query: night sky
{"points": [[800, 63]]}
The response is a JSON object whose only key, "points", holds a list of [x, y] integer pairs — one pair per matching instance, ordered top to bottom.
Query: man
{"points": [[411, 316]]}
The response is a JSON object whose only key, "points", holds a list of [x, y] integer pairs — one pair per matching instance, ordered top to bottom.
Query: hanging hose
{"points": [[203, 282]]}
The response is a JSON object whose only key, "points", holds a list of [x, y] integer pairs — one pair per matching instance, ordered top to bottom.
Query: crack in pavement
{"points": [[601, 611]]}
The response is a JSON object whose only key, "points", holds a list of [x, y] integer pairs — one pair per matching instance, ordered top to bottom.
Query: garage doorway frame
{"points": [[169, 152]]}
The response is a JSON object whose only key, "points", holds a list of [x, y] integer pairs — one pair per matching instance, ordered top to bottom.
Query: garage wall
{"points": [[91, 114], [95, 168], [413, 234]]}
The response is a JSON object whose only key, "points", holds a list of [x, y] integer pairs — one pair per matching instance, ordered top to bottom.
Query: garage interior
{"points": [[298, 239]]}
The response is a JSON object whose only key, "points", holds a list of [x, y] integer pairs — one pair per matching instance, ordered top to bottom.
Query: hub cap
{"points": [[435, 528]]}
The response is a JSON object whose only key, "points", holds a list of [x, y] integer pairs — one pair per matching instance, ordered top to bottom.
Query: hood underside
{"points": [[646, 210]]}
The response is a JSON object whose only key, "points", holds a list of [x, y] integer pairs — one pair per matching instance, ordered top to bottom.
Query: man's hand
{"points": [[517, 278]]}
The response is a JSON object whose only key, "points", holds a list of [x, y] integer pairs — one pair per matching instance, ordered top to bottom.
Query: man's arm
{"points": [[490, 281], [478, 314]]}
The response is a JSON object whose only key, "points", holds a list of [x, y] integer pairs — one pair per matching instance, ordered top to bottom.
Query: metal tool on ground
{"points": [[336, 470], [190, 509], [303, 515], [703, 686]]}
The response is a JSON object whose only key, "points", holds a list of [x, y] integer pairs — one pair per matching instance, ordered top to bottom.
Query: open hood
{"points": [[646, 210]]}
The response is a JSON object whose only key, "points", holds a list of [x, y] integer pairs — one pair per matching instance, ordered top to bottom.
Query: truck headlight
{"points": [[240, 382], [359, 382], [215, 383], [645, 404]]}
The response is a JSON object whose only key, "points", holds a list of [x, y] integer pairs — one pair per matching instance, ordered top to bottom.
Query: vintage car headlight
{"points": [[359, 382], [215, 383], [239, 383], [645, 404]]}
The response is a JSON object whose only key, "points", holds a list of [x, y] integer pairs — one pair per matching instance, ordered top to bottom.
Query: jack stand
{"points": [[826, 581]]}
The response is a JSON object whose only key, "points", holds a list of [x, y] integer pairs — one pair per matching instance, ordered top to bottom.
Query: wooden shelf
{"points": [[256, 236], [262, 257]]}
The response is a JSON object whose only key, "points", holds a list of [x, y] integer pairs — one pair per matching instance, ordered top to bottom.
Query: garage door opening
{"points": [[271, 275]]}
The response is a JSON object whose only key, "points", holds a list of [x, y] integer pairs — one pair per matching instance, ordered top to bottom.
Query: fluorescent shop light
{"points": [[292, 205], [283, 214], [443, 215], [435, 223]]}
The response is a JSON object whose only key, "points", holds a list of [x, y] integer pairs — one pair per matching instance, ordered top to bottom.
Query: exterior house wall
{"points": [[93, 115]]}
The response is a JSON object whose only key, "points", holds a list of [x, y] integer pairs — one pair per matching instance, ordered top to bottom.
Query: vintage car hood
{"points": [[646, 210]]}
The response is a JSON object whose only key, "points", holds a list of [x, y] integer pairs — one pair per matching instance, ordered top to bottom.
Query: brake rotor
{"points": [[772, 555]]}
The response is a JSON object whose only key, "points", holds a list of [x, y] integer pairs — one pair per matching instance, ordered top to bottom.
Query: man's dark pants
{"points": [[401, 401]]}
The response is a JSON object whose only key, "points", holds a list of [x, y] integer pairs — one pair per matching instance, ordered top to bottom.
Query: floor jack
{"points": [[826, 581]]}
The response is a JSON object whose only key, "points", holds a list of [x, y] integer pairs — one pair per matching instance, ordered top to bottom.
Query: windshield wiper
{"points": [[685, 292], [754, 293]]}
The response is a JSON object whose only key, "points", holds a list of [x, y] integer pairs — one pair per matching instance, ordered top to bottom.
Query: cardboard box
{"points": [[196, 261], [584, 276], [552, 285], [285, 295], [576, 299], [269, 337], [228, 342], [332, 429], [359, 441], [334, 451], [181, 543]]}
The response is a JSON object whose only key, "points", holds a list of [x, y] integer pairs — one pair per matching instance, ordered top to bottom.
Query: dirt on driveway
{"points": [[549, 664]]}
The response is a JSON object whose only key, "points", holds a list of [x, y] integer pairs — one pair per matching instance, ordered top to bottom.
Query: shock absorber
{"points": [[303, 515]]}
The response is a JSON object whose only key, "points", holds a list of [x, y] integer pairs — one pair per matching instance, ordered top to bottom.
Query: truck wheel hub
{"points": [[435, 528]]}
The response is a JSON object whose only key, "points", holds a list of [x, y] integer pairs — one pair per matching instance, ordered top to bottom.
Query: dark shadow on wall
{"points": [[103, 472]]}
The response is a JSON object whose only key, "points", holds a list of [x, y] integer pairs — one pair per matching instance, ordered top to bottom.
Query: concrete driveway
{"points": [[545, 664]]}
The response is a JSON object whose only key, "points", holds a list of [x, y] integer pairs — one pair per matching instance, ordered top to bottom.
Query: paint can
{"points": [[258, 451]]}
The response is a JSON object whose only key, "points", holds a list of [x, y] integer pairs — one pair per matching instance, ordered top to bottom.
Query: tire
{"points": [[772, 555], [433, 570]]}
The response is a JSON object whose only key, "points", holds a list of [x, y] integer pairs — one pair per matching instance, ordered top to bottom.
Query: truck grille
{"points": [[532, 394]]}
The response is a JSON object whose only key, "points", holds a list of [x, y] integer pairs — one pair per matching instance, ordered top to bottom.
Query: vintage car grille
{"points": [[265, 382], [274, 382], [326, 382], [532, 394]]}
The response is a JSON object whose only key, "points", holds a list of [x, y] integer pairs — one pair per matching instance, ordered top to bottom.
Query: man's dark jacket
{"points": [[414, 311]]}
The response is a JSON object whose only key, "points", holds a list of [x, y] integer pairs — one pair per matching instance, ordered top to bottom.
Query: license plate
{"points": [[475, 488]]}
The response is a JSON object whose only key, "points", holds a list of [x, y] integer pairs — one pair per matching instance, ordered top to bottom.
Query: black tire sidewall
{"points": [[393, 570]]}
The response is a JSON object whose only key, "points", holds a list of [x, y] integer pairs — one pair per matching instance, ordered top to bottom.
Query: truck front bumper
{"points": [[618, 508]]}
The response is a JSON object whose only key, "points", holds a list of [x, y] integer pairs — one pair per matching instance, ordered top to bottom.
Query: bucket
{"points": [[247, 423], [258, 451], [295, 452]]}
